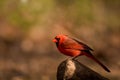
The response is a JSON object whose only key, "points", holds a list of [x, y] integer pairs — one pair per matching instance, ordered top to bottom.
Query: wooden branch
{"points": [[74, 70]]}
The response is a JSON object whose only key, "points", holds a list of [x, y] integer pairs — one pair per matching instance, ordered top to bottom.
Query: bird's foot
{"points": [[74, 58]]}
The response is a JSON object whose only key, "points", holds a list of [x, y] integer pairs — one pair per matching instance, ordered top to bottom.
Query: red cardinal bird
{"points": [[74, 48]]}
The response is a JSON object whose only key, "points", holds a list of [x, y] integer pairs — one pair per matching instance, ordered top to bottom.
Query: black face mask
{"points": [[58, 40]]}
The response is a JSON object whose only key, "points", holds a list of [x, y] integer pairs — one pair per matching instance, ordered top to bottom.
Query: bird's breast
{"points": [[69, 51]]}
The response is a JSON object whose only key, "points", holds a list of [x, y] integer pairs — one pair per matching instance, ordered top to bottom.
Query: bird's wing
{"points": [[72, 43], [86, 47]]}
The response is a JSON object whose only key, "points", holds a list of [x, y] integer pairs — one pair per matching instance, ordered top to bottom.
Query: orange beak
{"points": [[54, 40]]}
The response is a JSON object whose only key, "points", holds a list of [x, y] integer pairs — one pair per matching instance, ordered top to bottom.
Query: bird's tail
{"points": [[92, 57]]}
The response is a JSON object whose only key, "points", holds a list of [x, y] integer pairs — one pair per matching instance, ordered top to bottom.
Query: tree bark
{"points": [[73, 70]]}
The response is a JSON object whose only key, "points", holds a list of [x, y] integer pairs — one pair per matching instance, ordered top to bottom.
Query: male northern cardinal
{"points": [[74, 48]]}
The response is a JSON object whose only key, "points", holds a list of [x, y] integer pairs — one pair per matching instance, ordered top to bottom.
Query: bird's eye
{"points": [[57, 39]]}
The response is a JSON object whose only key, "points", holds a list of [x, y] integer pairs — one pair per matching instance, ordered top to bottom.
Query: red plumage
{"points": [[74, 48]]}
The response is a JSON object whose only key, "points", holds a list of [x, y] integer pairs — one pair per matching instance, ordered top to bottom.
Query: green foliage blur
{"points": [[27, 28]]}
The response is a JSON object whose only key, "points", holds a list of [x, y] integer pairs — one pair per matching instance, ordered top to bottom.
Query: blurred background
{"points": [[27, 28]]}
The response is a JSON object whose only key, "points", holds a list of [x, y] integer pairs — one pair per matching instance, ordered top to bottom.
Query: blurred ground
{"points": [[27, 28]]}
